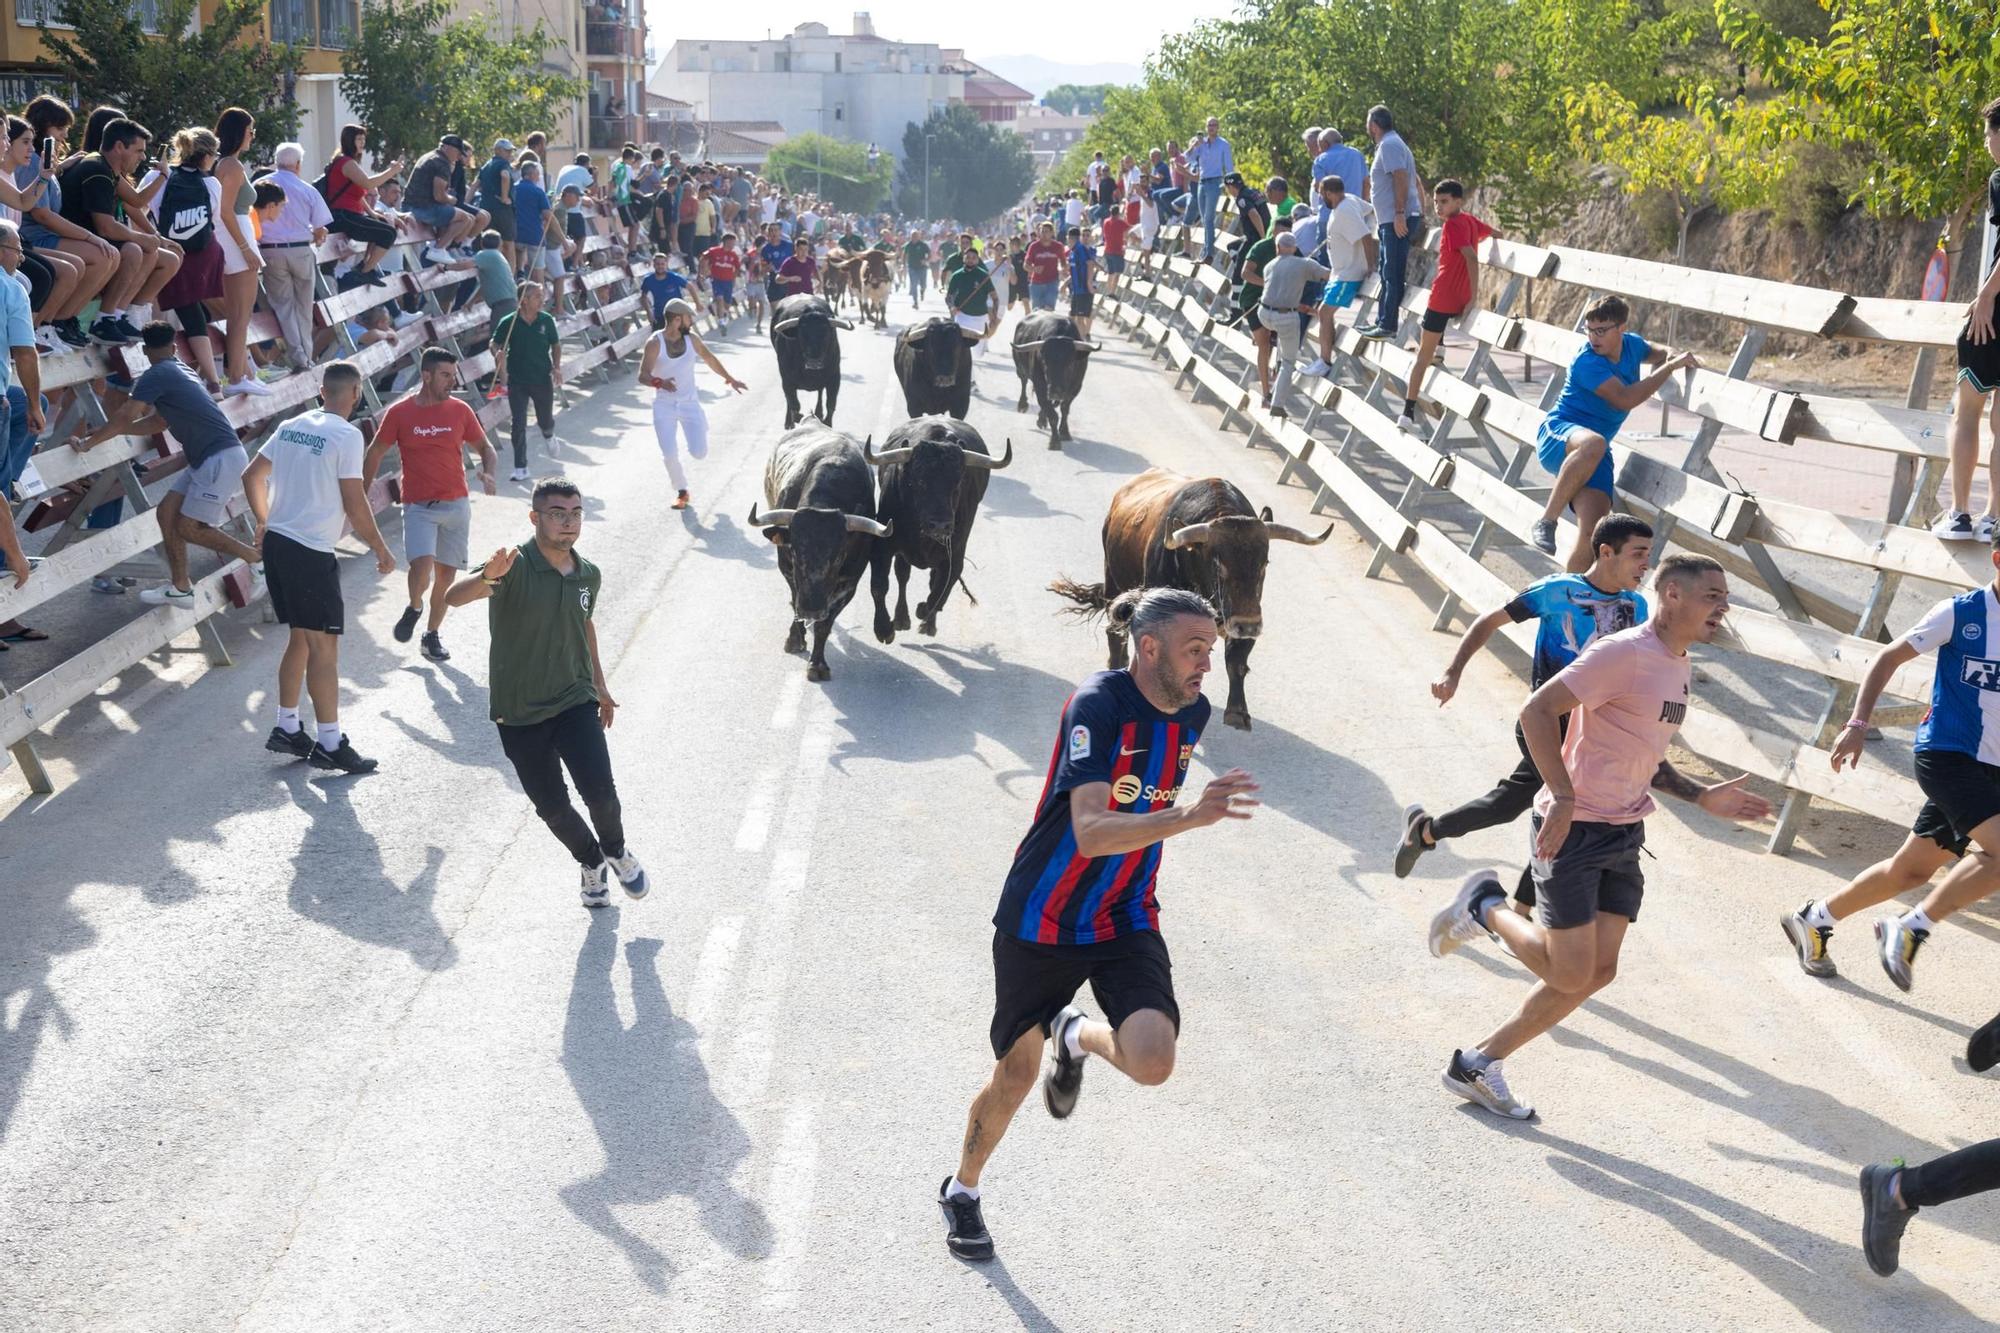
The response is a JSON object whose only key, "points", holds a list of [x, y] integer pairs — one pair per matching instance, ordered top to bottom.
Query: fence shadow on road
{"points": [[1097, 456], [1009, 497], [724, 538], [894, 711], [1304, 781], [362, 902], [41, 924], [649, 1098]]}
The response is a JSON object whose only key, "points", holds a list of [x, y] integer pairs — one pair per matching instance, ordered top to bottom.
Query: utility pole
{"points": [[927, 176]]}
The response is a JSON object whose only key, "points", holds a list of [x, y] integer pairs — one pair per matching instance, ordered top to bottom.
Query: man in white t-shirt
{"points": [[1347, 231], [305, 488]]}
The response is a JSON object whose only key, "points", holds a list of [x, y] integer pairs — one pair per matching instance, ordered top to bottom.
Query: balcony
{"points": [[329, 24], [615, 40], [612, 132]]}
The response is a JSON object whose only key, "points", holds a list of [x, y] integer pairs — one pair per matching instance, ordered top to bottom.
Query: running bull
{"points": [[870, 277], [802, 334], [1051, 355], [934, 366], [932, 474], [822, 520], [1165, 530]]}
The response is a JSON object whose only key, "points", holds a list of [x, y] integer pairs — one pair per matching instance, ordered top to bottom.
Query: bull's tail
{"points": [[967, 591], [1088, 598]]}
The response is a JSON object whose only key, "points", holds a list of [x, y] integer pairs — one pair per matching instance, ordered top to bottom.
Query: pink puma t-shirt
{"points": [[1631, 693]]}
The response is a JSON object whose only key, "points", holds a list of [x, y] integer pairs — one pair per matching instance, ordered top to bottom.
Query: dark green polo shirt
{"points": [[969, 288], [530, 346], [539, 664]]}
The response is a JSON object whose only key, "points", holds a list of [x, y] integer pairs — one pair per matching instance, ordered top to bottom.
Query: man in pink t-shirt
{"points": [[1628, 692]]}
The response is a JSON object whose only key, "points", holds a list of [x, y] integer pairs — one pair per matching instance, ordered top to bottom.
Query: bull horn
{"points": [[847, 324], [785, 326], [1022, 347], [1091, 347], [887, 456], [990, 463], [772, 518], [856, 523], [1285, 532], [1194, 534]]}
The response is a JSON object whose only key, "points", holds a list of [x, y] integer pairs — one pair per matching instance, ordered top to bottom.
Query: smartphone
{"points": [[49, 154]]}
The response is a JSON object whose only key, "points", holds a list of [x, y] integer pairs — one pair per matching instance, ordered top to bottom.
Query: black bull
{"points": [[808, 348], [1052, 356], [934, 366], [932, 473], [822, 520], [1165, 530]]}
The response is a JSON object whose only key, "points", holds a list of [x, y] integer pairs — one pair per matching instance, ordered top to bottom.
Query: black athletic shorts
{"points": [[41, 278], [1079, 305], [1435, 320], [1979, 363], [304, 584], [1960, 794], [1595, 870], [1032, 982]]}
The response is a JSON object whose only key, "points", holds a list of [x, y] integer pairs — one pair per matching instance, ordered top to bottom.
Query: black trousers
{"points": [[519, 398], [572, 739], [1509, 799], [1972, 1170]]}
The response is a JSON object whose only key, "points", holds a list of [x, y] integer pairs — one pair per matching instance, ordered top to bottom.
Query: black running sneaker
{"points": [[72, 332], [406, 624], [434, 648], [294, 743], [341, 757], [1413, 845], [1983, 1051], [1064, 1080], [1882, 1221], [964, 1229]]}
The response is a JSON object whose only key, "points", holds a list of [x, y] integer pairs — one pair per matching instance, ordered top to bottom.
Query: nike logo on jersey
{"points": [[1127, 754]]}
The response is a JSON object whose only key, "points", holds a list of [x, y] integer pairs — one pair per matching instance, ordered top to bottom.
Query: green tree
{"points": [[415, 74], [167, 84], [1077, 99], [834, 169], [977, 172]]}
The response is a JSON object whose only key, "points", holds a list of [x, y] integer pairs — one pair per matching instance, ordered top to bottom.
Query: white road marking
{"points": [[789, 694], [756, 826], [711, 973], [788, 1203]]}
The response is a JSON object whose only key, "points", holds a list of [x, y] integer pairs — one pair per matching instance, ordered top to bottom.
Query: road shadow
{"points": [[1097, 456], [1010, 497], [724, 538], [881, 689], [363, 903], [41, 925], [663, 1130], [994, 1270]]}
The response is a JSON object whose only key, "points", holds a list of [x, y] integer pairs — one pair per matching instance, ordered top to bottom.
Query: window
{"points": [[44, 13], [292, 22], [337, 24], [840, 111]]}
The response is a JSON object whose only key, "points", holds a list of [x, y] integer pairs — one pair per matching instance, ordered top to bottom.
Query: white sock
{"points": [[111, 314], [288, 719], [329, 735], [1817, 915], [1916, 920], [1076, 1052], [957, 1188]]}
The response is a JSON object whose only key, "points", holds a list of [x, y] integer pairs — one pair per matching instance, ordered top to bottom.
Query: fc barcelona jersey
{"points": [[1109, 734]]}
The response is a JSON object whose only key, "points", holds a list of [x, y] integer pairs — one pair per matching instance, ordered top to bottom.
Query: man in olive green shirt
{"points": [[968, 291], [527, 351], [546, 688]]}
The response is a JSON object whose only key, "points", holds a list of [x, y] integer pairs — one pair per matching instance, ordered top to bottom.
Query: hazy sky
{"points": [[1053, 29]]}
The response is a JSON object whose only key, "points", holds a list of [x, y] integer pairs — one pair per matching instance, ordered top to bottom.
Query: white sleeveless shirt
{"points": [[679, 369]]}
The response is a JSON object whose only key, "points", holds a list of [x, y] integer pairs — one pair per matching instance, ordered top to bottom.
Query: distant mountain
{"points": [[1038, 75]]}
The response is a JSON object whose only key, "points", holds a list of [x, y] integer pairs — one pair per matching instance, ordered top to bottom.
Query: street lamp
{"points": [[819, 139], [927, 175]]}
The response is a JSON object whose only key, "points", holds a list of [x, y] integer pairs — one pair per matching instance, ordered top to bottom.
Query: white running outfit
{"points": [[678, 409]]}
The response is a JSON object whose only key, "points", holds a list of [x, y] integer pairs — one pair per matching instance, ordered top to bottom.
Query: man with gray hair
{"points": [[1311, 138], [1336, 157], [287, 246], [1281, 308], [1078, 905]]}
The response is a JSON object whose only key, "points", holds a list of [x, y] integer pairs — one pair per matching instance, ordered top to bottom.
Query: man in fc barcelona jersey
{"points": [[1079, 903]]}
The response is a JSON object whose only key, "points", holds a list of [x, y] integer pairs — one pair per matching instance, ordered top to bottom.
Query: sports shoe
{"points": [[437, 254], [407, 318], [126, 328], [71, 332], [106, 333], [1375, 333], [48, 342], [1320, 366], [272, 374], [253, 387], [518, 474], [680, 500], [1955, 526], [1982, 529], [1543, 536], [105, 585], [167, 595], [406, 624], [433, 647], [298, 743], [342, 757], [1413, 845], [631, 875], [596, 892], [1456, 922], [1809, 941], [1897, 944], [1983, 1051], [1064, 1080], [1484, 1087], [1882, 1219], [964, 1228]]}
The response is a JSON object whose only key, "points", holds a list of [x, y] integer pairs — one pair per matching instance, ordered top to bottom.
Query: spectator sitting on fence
{"points": [[579, 174], [347, 189], [461, 196], [90, 201], [430, 201], [188, 203], [137, 209], [52, 234], [290, 237], [50, 284], [168, 396], [21, 417]]}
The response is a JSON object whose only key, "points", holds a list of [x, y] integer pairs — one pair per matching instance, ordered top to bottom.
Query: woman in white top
{"points": [[242, 264], [1003, 274], [668, 365]]}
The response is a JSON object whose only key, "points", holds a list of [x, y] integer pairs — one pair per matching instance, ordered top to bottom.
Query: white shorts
{"points": [[233, 260], [552, 261], [975, 324], [207, 489]]}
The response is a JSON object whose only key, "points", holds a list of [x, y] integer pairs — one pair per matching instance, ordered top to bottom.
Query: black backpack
{"points": [[185, 215]]}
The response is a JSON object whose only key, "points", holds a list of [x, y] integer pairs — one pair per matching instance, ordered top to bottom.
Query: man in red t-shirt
{"points": [[1113, 232], [1046, 260], [720, 264], [1457, 284], [433, 430]]}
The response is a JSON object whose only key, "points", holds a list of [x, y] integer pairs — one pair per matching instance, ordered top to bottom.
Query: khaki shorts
{"points": [[439, 529]]}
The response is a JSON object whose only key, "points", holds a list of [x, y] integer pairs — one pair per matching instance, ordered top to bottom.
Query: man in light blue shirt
{"points": [[1339, 158], [1210, 159], [1392, 188], [19, 423]]}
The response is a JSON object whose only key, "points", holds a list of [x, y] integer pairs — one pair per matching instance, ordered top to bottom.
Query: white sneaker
{"points": [[436, 255], [407, 318], [48, 342], [1320, 366], [254, 388], [518, 474], [1955, 527], [1982, 529], [257, 585], [167, 595], [631, 875], [596, 891], [1454, 923], [1484, 1087]]}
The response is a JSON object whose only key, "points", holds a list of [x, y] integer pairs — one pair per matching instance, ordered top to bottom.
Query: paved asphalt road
{"points": [[287, 1051]]}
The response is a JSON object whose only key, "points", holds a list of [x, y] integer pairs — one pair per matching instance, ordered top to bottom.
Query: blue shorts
{"points": [[436, 216], [1114, 263], [722, 289], [1340, 295], [1552, 445]]}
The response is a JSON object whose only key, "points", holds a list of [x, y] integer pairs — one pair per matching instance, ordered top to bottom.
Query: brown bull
{"points": [[1166, 530]]}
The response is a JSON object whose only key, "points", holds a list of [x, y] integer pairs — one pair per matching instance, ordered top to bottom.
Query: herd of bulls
{"points": [[835, 508]]}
